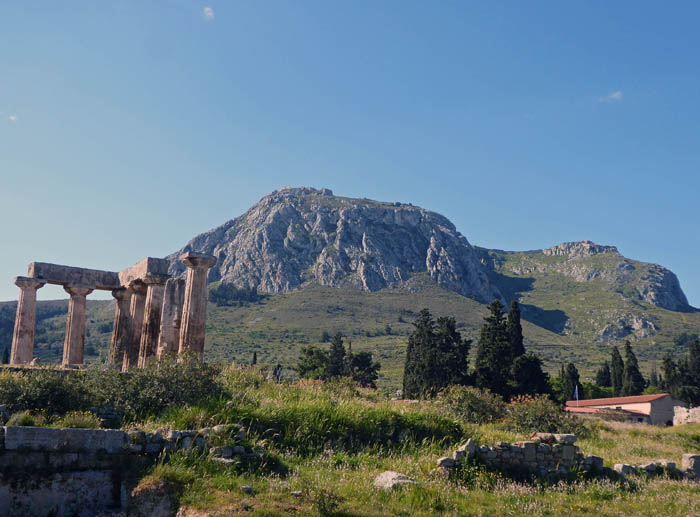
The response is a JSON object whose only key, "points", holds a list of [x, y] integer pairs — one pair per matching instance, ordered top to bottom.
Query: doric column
{"points": [[138, 291], [194, 310], [151, 319], [122, 327], [23, 336], [169, 339], [74, 345]]}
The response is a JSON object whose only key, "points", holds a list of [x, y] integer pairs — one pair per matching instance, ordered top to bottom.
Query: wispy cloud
{"points": [[208, 13], [615, 96], [12, 118]]}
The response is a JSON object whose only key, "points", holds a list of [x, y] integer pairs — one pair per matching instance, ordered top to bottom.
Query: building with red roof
{"points": [[646, 409]]}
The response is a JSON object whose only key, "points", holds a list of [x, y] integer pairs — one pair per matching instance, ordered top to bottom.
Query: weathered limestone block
{"points": [[194, 312], [171, 319], [151, 321], [122, 327], [23, 336], [74, 344], [69, 440], [568, 452], [691, 463], [624, 469], [390, 479]]}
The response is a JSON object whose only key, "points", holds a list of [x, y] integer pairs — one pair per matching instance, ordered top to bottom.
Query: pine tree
{"points": [[514, 330], [5, 356], [255, 358], [336, 358], [312, 363], [492, 363], [362, 368], [617, 371], [602, 376], [569, 382], [633, 382]]}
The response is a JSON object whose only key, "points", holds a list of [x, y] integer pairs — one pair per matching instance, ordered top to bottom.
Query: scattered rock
{"points": [[221, 452], [446, 462], [691, 463], [625, 469], [390, 479], [246, 489], [296, 493], [153, 499]]}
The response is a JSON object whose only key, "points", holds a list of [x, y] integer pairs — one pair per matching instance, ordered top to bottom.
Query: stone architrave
{"points": [[138, 290], [194, 311], [151, 320], [25, 321], [122, 326], [169, 339], [74, 345]]}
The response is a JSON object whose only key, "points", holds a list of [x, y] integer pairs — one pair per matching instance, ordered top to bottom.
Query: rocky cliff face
{"points": [[297, 235]]}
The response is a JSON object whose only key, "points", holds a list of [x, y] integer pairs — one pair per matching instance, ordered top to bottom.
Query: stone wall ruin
{"points": [[155, 314]]}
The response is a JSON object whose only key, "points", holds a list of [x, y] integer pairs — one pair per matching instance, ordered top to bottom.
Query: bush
{"points": [[55, 391], [472, 405], [530, 414], [27, 419], [79, 420]]}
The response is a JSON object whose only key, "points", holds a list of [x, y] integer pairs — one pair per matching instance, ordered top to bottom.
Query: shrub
{"points": [[52, 390], [472, 405], [530, 414], [27, 419], [79, 420]]}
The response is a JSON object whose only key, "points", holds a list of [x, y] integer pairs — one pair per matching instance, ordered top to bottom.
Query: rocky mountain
{"points": [[295, 236]]}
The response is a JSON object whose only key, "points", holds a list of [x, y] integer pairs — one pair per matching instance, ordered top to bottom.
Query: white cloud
{"points": [[208, 13], [615, 96], [12, 118]]}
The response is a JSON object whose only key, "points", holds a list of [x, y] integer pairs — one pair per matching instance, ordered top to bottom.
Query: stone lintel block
{"points": [[148, 267], [69, 275], [69, 440]]}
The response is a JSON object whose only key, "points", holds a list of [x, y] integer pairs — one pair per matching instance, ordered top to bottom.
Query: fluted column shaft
{"points": [[138, 291], [194, 311], [171, 318], [151, 319], [25, 321], [122, 327], [74, 344]]}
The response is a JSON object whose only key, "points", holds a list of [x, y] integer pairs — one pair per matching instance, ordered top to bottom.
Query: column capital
{"points": [[194, 260], [25, 282], [137, 286], [77, 290], [122, 293]]}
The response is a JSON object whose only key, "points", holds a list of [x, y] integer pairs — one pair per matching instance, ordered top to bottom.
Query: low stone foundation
{"points": [[84, 472]]}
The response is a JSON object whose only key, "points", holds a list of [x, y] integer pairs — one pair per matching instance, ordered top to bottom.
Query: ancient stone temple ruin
{"points": [[155, 314]]}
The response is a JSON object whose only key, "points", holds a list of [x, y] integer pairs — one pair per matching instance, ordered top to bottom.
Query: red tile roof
{"points": [[637, 399]]}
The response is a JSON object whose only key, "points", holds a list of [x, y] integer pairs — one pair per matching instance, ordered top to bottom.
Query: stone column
{"points": [[138, 290], [194, 311], [151, 320], [122, 327], [23, 336], [169, 339], [74, 345]]}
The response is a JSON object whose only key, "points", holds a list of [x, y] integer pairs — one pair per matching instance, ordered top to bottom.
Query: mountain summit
{"points": [[294, 236]]}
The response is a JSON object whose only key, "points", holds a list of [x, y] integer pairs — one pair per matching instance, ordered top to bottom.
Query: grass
{"points": [[305, 428]]}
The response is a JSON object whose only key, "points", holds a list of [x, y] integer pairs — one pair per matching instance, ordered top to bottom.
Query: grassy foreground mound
{"points": [[325, 443]]}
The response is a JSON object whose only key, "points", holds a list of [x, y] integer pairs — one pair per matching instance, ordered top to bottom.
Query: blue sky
{"points": [[128, 127]]}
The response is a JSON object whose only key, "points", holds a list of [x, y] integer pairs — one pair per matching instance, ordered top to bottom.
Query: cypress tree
{"points": [[515, 331], [419, 342], [5, 355], [255, 358], [336, 358], [449, 359], [492, 363], [617, 371], [527, 375], [602, 376], [654, 376], [570, 381], [633, 382]]}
